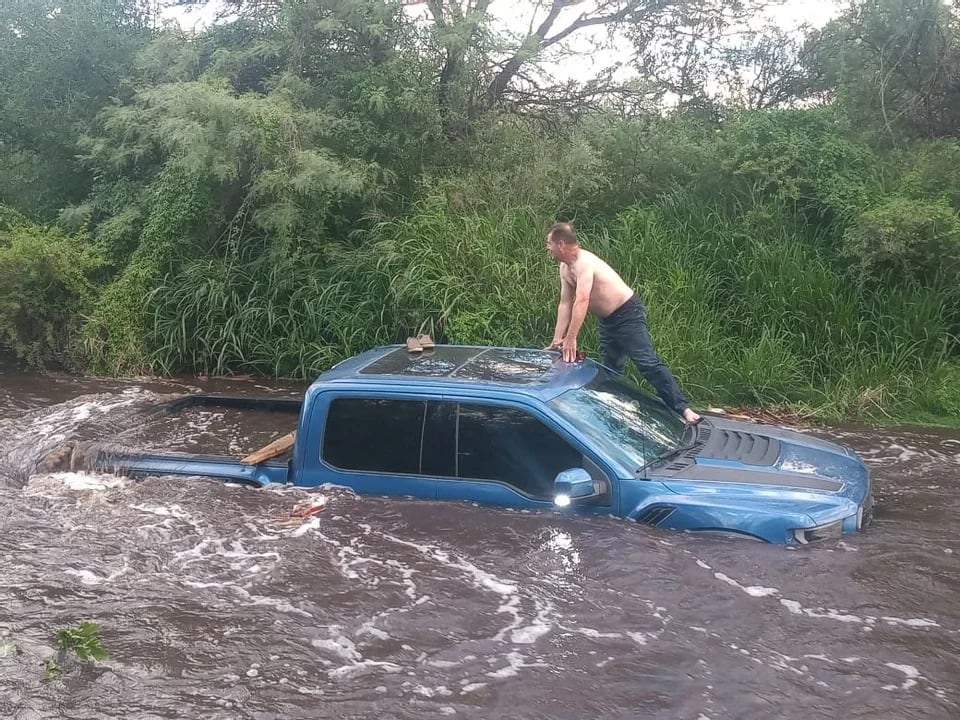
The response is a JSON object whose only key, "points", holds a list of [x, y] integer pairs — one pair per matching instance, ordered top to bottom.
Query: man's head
{"points": [[562, 242]]}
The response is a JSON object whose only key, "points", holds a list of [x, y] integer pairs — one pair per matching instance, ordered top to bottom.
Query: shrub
{"points": [[904, 243], [45, 290]]}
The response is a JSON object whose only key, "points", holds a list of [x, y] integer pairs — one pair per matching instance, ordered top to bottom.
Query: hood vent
{"points": [[745, 447], [655, 514]]}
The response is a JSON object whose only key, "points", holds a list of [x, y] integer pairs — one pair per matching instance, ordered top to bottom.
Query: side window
{"points": [[374, 435], [511, 446]]}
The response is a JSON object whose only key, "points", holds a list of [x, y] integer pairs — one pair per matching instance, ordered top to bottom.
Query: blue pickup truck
{"points": [[519, 428]]}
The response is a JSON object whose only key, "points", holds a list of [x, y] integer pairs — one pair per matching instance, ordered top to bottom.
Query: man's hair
{"points": [[563, 232]]}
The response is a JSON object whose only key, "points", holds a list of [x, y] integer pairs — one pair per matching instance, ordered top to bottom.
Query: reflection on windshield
{"points": [[625, 422]]}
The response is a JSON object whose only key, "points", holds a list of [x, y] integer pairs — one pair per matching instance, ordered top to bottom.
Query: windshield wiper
{"points": [[687, 443]]}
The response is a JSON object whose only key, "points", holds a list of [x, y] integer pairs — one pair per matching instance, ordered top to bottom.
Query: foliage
{"points": [[60, 63], [894, 65], [808, 157], [223, 170], [305, 180], [908, 243], [45, 290], [114, 337], [81, 641]]}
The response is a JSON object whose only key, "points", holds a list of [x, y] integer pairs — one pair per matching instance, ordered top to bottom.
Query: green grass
{"points": [[747, 308]]}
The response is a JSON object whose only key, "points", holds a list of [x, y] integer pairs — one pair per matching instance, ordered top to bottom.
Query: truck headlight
{"points": [[804, 536]]}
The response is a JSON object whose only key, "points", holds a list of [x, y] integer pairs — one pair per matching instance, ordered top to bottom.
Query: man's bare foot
{"points": [[691, 417]]}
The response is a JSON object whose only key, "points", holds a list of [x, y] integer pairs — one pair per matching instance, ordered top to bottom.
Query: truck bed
{"points": [[219, 425], [202, 435]]}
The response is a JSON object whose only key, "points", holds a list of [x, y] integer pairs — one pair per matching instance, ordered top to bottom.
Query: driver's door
{"points": [[501, 455]]}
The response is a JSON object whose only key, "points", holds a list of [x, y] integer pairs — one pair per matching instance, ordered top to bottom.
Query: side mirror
{"points": [[572, 485]]}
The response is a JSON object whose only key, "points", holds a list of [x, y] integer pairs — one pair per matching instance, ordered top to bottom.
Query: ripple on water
{"points": [[212, 601]]}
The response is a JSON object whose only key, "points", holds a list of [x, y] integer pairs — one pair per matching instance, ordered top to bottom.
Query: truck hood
{"points": [[750, 454]]}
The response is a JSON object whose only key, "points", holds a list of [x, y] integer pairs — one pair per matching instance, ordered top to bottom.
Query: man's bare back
{"points": [[608, 291]]}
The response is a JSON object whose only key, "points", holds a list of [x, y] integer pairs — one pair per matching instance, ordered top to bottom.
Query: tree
{"points": [[898, 60], [60, 63], [477, 69], [770, 69]]}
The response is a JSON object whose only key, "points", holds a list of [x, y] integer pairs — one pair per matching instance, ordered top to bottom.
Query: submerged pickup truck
{"points": [[520, 428]]}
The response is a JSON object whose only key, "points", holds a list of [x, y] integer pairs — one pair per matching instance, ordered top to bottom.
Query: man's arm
{"points": [[581, 304], [564, 310]]}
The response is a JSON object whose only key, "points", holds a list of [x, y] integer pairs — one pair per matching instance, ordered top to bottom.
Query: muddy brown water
{"points": [[212, 606]]}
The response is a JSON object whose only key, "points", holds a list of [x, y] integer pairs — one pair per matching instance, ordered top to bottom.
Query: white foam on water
{"points": [[39, 432], [905, 453], [85, 481], [174, 511], [311, 523], [347, 557], [85, 576], [88, 577], [406, 577], [482, 580], [200, 585], [752, 590], [284, 606], [510, 607], [797, 608], [869, 621], [910, 622], [368, 628], [518, 630], [529, 634], [595, 634], [339, 644], [346, 650], [515, 662], [442, 664], [364, 667], [512, 669], [911, 673], [470, 687], [304, 690], [428, 692]]}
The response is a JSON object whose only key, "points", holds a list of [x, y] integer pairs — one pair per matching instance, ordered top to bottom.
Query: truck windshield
{"points": [[629, 425]]}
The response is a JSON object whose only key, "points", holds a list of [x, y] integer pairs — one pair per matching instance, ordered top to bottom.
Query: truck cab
{"points": [[462, 422]]}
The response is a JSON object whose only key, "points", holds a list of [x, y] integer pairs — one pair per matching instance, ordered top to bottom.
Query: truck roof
{"points": [[529, 371]]}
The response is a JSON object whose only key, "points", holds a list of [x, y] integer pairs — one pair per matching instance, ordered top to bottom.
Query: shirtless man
{"points": [[588, 284]]}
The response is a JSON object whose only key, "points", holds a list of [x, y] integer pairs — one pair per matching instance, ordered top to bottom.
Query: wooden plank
{"points": [[275, 448]]}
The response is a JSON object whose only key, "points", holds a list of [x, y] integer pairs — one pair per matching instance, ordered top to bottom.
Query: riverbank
{"points": [[798, 415]]}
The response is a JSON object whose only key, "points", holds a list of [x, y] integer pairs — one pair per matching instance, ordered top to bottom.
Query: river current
{"points": [[215, 601]]}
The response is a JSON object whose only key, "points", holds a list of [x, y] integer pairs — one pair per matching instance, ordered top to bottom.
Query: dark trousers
{"points": [[623, 334]]}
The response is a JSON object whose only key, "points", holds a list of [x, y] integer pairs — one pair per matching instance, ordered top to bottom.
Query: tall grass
{"points": [[744, 307], [753, 310]]}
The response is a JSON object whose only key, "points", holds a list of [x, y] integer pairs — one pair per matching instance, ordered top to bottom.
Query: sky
{"points": [[514, 16]]}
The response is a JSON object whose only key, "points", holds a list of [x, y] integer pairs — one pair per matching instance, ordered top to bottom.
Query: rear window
{"points": [[374, 435]]}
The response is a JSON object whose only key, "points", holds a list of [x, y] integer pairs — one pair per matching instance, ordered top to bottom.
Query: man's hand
{"points": [[554, 344], [569, 349]]}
